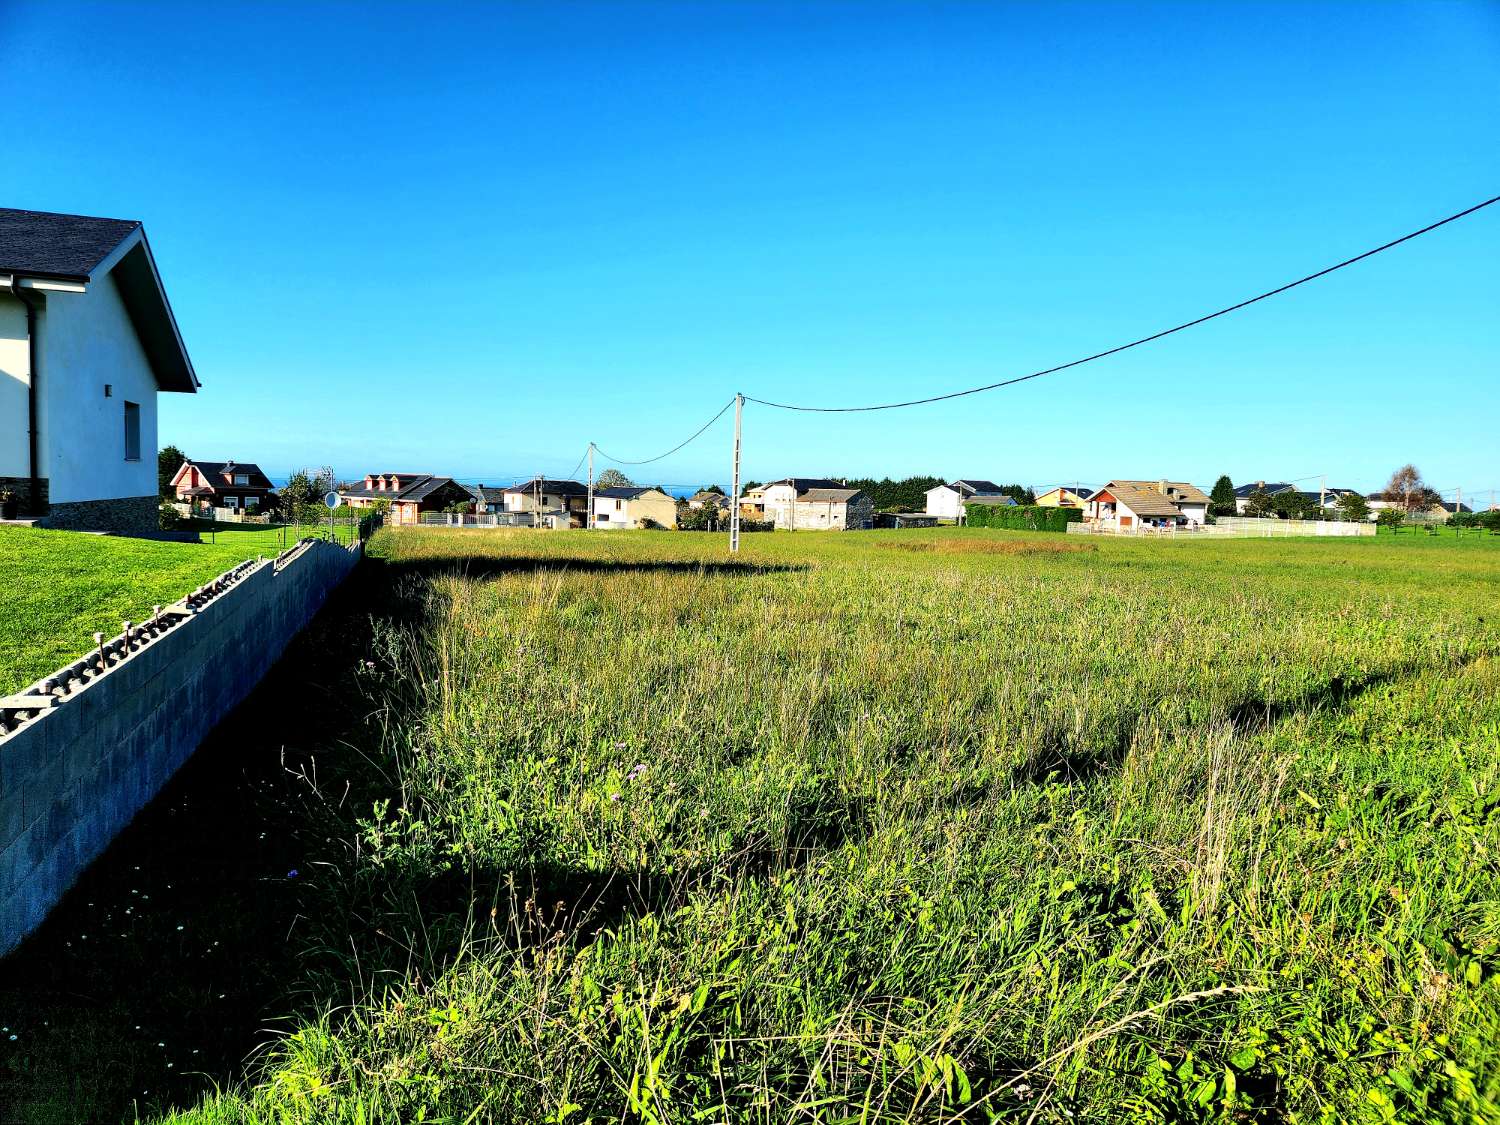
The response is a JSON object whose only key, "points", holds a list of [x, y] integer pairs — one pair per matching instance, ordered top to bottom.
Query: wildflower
{"points": [[614, 796], [292, 874], [179, 929]]}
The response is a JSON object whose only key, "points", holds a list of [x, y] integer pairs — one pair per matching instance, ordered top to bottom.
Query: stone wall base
{"points": [[21, 486], [124, 514], [73, 776]]}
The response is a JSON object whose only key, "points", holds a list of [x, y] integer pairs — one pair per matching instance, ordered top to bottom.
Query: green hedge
{"points": [[1023, 517]]}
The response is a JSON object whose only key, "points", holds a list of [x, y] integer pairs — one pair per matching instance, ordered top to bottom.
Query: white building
{"points": [[87, 342], [946, 501], [813, 504], [1130, 505], [633, 508]]}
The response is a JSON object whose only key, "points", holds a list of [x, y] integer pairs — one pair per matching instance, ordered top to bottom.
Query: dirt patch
{"points": [[994, 547]]}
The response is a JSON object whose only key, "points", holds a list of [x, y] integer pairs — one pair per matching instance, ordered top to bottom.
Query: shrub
{"points": [[1025, 517], [167, 518]]}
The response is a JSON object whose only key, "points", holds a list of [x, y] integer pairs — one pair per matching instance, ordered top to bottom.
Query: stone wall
{"points": [[21, 486], [125, 514], [73, 775]]}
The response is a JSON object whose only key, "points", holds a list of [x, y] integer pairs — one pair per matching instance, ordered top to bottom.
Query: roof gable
{"points": [[67, 247], [82, 250]]}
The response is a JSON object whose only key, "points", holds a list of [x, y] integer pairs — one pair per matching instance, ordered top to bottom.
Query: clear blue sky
{"points": [[468, 240]]}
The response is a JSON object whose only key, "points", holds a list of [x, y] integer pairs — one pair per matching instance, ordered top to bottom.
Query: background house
{"points": [[87, 341], [221, 484], [408, 494], [540, 495], [1064, 497], [946, 501], [810, 503], [1128, 505], [633, 508], [833, 509]]}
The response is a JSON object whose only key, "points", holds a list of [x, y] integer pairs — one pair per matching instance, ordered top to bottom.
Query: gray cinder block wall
{"points": [[72, 777]]}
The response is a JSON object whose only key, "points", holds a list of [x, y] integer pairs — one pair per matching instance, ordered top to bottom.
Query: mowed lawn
{"points": [[61, 587], [932, 826]]}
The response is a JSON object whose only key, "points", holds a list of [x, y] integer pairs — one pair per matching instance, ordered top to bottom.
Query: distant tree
{"points": [[168, 461], [613, 478], [746, 486], [712, 488], [1407, 489], [1019, 493], [302, 495], [909, 495], [1221, 499], [1260, 504], [1294, 506], [1353, 507], [1391, 517], [706, 518]]}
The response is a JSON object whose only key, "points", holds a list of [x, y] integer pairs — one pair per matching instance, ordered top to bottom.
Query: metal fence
{"points": [[547, 520], [1233, 527]]}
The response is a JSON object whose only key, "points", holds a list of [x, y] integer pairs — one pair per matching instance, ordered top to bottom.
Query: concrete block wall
{"points": [[73, 776]]}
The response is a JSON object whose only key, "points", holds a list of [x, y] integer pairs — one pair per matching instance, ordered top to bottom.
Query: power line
{"points": [[1134, 343], [696, 435], [573, 472]]}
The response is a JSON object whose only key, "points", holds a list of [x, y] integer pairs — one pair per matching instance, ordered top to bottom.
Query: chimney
{"points": [[1260, 484], [1161, 486]]}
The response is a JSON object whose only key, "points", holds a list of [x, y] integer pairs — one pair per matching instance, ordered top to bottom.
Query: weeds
{"points": [[976, 829]]}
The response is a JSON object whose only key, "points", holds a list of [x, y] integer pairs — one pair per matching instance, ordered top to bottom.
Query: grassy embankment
{"points": [[61, 587], [918, 827]]}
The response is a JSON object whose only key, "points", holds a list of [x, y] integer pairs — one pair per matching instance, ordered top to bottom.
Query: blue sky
{"points": [[469, 240]]}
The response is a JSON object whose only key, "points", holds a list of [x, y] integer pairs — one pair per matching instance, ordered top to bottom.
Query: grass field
{"points": [[266, 539], [61, 587], [912, 826]]}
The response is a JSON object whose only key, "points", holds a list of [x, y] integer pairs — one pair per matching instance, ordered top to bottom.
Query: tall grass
{"points": [[908, 827]]}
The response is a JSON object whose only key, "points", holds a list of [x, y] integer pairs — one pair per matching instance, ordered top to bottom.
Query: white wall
{"points": [[87, 340], [14, 380], [780, 502], [944, 502], [656, 506]]}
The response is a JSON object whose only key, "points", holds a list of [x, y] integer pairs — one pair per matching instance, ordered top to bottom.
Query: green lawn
{"points": [[270, 539], [61, 587], [924, 826]]}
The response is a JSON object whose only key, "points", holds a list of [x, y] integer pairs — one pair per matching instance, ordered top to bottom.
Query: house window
{"points": [[132, 431], [241, 478]]}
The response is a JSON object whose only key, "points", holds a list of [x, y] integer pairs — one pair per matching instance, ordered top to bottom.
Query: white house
{"points": [[87, 342], [946, 501], [814, 504], [1129, 505], [633, 508]]}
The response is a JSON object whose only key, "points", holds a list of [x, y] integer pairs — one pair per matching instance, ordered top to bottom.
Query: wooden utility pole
{"points": [[734, 508]]}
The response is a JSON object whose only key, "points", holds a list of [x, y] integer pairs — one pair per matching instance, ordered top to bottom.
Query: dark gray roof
{"points": [[58, 246], [216, 471], [802, 484], [419, 486], [558, 487], [981, 487], [1271, 488], [421, 489], [621, 493], [829, 495], [994, 500]]}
